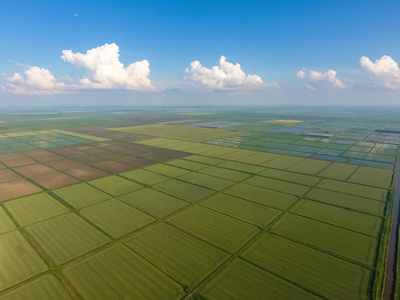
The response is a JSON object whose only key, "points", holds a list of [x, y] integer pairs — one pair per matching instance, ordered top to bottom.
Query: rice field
{"points": [[165, 208]]}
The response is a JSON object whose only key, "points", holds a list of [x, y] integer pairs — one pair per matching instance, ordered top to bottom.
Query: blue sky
{"points": [[271, 39]]}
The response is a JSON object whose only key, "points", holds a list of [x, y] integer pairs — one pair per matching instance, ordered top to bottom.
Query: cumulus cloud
{"points": [[105, 71], [385, 71], [226, 76], [317, 80], [36, 81]]}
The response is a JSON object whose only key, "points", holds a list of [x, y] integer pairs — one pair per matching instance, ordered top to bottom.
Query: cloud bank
{"points": [[105, 71], [385, 71], [226, 76], [316, 80], [37, 81]]}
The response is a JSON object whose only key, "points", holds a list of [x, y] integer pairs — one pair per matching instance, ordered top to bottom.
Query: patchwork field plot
{"points": [[193, 134], [211, 182], [278, 185], [115, 186], [354, 189], [183, 190], [81, 195], [262, 196], [348, 201], [153, 202], [209, 203], [35, 208], [247, 211], [115, 217], [356, 221], [6, 224], [220, 229], [66, 237], [329, 238], [184, 257], [19, 260], [316, 271], [119, 273], [241, 280], [46, 287]]}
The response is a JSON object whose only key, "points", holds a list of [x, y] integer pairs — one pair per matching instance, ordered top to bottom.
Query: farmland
{"points": [[204, 203]]}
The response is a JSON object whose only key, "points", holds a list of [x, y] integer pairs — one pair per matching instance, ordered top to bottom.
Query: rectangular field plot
{"points": [[185, 133], [381, 158], [204, 159], [258, 159], [283, 162], [186, 164], [309, 166], [241, 167], [166, 170], [338, 171], [225, 173], [290, 176], [372, 176], [144, 177], [206, 181], [115, 185], [278, 185], [17, 188], [354, 189], [183, 190], [81, 195], [262, 196], [154, 202], [361, 204], [35, 208], [244, 210], [115, 217], [341, 217], [6, 224], [222, 230], [66, 237], [330, 238], [185, 258], [18, 260], [311, 269], [119, 273], [241, 280], [46, 287]]}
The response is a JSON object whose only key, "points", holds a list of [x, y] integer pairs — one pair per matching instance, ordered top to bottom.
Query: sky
{"points": [[199, 52]]}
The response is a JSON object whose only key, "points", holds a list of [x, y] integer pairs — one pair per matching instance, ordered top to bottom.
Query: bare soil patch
{"points": [[67, 152], [11, 156], [90, 159], [20, 162], [136, 162], [64, 164], [34, 170], [86, 173], [8, 175], [54, 180], [17, 188]]}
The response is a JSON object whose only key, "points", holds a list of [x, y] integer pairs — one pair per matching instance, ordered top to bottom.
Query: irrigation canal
{"points": [[391, 262]]}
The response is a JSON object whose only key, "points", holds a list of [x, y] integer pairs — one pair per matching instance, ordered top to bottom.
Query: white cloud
{"points": [[105, 71], [385, 71], [226, 76], [317, 80], [36, 81]]}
